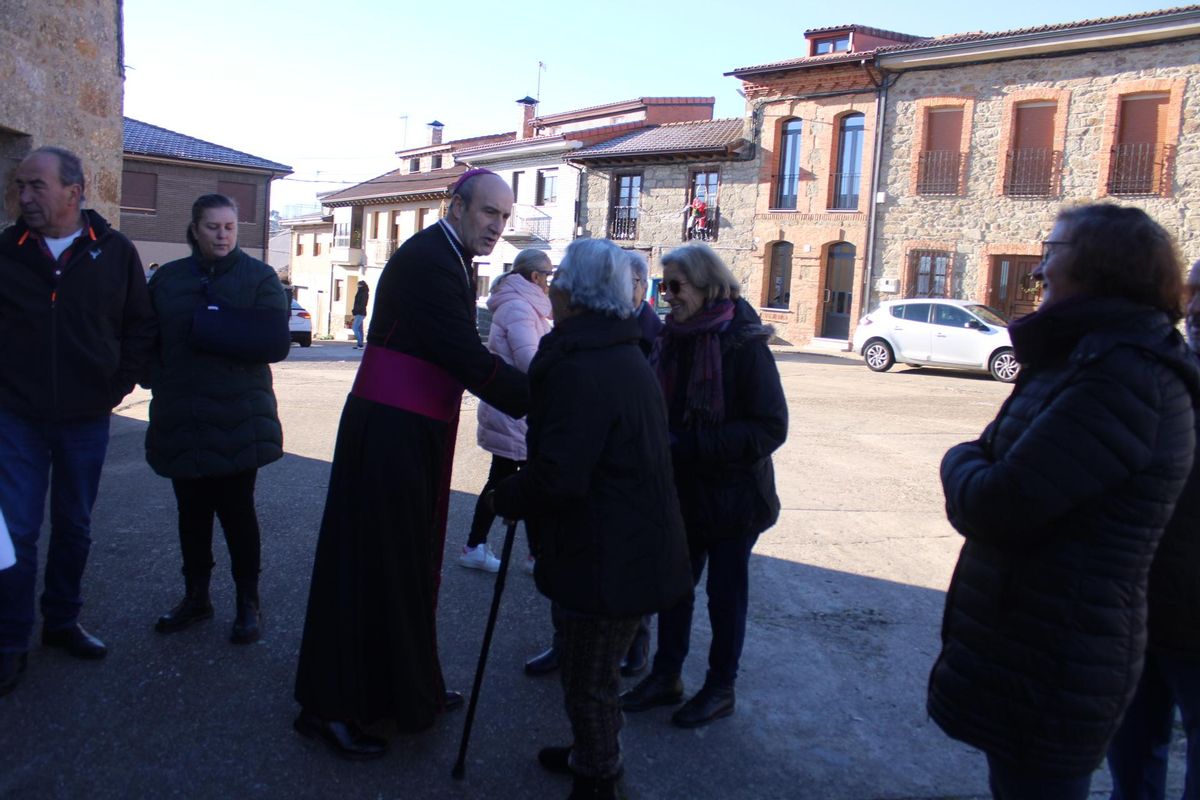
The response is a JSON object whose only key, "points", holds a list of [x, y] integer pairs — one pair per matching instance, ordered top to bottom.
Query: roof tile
{"points": [[144, 139]]}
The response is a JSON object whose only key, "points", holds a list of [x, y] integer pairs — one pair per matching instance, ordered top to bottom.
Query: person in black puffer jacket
{"points": [[728, 415], [213, 417], [597, 496], [1062, 502], [1137, 758]]}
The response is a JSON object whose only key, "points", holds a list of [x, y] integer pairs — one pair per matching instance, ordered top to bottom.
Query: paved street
{"points": [[846, 598]]}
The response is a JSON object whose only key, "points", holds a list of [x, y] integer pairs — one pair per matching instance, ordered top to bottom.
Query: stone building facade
{"points": [[70, 51], [1112, 109], [814, 122], [641, 189]]}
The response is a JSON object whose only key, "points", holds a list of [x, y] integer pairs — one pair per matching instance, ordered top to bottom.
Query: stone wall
{"points": [[60, 66], [665, 195], [983, 222]]}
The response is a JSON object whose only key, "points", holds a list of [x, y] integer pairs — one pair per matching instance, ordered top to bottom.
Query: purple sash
{"points": [[402, 381]]}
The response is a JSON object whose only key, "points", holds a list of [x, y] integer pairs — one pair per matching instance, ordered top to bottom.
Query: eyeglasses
{"points": [[1048, 247], [673, 286]]}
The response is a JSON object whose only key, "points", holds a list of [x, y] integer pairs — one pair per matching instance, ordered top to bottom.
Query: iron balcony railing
{"points": [[1140, 168], [940, 171], [1032, 172], [788, 190], [845, 190], [531, 221], [624, 222], [701, 228], [380, 250]]}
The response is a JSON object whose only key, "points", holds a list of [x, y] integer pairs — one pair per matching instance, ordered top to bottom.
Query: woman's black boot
{"points": [[195, 606], [247, 625]]}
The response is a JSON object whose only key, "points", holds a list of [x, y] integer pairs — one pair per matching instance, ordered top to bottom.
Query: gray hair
{"points": [[70, 167], [529, 261], [637, 263], [705, 270], [595, 273]]}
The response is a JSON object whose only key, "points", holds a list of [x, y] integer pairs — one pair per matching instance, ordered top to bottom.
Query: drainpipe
{"points": [[869, 263]]}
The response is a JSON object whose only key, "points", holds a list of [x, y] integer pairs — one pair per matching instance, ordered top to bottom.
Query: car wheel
{"points": [[305, 340], [878, 355], [1004, 366]]}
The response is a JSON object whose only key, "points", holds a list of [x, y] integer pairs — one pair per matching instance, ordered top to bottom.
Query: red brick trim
{"points": [[1174, 88], [1061, 97], [921, 108]]}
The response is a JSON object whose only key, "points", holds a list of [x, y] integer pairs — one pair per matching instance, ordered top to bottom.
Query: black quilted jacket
{"points": [[1062, 503]]}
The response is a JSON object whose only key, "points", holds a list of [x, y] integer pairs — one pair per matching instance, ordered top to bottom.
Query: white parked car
{"points": [[300, 325], [942, 333]]}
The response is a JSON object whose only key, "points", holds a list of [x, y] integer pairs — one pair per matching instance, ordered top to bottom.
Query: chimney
{"points": [[528, 110], [435, 132]]}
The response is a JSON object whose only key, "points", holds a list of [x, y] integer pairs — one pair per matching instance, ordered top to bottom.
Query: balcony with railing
{"points": [[1140, 168], [940, 172], [1032, 172], [845, 191], [624, 223], [527, 224], [701, 227], [378, 251]]}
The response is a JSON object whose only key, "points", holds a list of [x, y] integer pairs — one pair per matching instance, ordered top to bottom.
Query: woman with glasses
{"points": [[520, 318], [727, 414], [1061, 503]]}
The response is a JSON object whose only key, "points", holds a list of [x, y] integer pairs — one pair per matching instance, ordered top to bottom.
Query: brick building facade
{"points": [[71, 52]]}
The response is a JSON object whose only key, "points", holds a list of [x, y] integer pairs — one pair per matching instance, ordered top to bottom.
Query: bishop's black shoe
{"points": [[76, 641], [344, 738]]}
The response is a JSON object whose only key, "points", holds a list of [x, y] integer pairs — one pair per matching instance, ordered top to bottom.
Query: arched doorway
{"points": [[839, 291]]}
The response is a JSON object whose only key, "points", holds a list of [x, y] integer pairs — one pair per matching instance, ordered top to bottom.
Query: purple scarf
{"points": [[704, 398]]}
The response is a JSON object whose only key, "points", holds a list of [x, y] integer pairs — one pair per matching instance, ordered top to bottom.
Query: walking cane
{"points": [[509, 534]]}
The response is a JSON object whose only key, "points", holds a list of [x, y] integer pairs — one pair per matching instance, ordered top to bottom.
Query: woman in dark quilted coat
{"points": [[213, 419], [1062, 502], [1137, 758]]}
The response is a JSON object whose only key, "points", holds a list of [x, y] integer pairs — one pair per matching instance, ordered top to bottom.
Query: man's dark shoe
{"points": [[192, 608], [76, 641], [638, 657], [543, 663], [12, 666], [654, 690], [453, 700], [710, 703], [344, 738], [556, 760], [594, 789]]}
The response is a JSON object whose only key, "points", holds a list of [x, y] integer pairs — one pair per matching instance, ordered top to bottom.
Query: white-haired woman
{"points": [[727, 414], [597, 495]]}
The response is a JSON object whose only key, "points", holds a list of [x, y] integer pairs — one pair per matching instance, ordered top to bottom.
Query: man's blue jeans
{"points": [[356, 325], [66, 458], [1137, 757]]}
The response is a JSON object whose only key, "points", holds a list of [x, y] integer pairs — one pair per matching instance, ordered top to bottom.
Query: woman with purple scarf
{"points": [[727, 414]]}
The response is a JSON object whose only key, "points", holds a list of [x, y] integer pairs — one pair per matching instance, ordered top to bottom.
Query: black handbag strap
{"points": [[205, 282]]}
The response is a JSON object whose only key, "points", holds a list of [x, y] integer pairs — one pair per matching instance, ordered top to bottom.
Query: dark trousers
{"points": [[64, 458], [231, 499], [481, 523], [728, 597], [592, 649], [1137, 756], [1011, 782]]}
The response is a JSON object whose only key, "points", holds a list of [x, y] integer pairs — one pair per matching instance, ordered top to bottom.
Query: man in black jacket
{"points": [[360, 313], [76, 329]]}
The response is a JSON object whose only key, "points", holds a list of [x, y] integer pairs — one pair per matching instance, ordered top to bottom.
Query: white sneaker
{"points": [[479, 557], [529, 562]]}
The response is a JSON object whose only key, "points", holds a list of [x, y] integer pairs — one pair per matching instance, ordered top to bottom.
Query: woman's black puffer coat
{"points": [[210, 415], [724, 473], [1062, 503]]}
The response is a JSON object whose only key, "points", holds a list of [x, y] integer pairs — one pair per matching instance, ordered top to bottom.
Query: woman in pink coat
{"points": [[520, 310]]}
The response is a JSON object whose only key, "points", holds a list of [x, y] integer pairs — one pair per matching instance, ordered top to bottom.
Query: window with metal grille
{"points": [[1140, 158], [849, 164], [939, 166], [1032, 166], [787, 181], [625, 208], [929, 273]]}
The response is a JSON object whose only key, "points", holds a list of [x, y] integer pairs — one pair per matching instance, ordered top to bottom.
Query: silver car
{"points": [[941, 333]]}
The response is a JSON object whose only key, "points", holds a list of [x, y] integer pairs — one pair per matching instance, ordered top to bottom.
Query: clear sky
{"points": [[333, 89]]}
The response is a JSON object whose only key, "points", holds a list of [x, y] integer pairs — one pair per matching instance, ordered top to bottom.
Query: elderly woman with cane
{"points": [[599, 500], [1062, 502]]}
